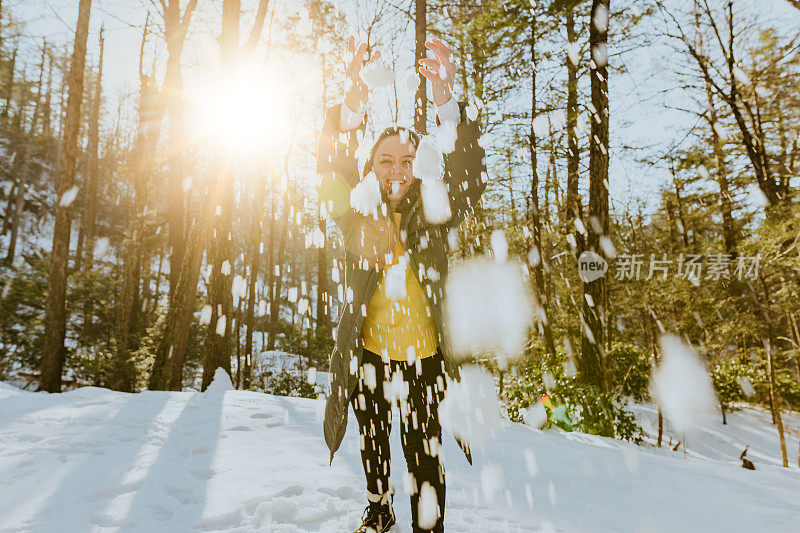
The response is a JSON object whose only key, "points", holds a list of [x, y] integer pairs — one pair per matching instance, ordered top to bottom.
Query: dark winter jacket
{"points": [[366, 239]]}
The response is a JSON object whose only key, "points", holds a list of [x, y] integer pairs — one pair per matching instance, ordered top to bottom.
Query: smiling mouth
{"points": [[395, 184]]}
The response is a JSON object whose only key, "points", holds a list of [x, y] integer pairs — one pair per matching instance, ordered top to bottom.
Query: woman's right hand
{"points": [[358, 92]]}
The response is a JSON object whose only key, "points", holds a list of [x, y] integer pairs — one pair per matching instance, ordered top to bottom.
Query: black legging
{"points": [[419, 411]]}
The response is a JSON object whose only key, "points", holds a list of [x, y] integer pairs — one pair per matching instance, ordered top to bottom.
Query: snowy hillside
{"points": [[96, 460]]}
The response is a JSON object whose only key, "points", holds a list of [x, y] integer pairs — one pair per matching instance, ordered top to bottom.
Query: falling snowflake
{"points": [[573, 52], [376, 74], [412, 83], [446, 135], [428, 160], [366, 195], [68, 197], [435, 201], [100, 247], [395, 280], [488, 308], [205, 315], [221, 323], [680, 384], [471, 409], [491, 481], [428, 512]]}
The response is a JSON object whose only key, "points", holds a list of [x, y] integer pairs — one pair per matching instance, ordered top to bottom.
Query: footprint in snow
{"points": [[203, 474], [291, 490], [344, 492], [184, 496], [160, 512]]}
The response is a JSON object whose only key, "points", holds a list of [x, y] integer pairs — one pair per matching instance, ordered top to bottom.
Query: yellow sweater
{"points": [[403, 329]]}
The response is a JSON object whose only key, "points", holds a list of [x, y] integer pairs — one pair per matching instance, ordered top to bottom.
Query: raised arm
{"points": [[465, 166], [337, 167]]}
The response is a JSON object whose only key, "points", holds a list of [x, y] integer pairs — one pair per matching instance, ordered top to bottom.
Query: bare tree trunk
{"points": [[176, 27], [420, 35], [10, 83], [8, 95], [47, 110], [150, 117], [573, 154], [21, 168], [91, 187], [17, 201], [726, 201], [89, 214], [256, 251], [272, 260], [538, 268], [278, 273], [157, 292], [323, 325], [237, 328], [322, 329], [796, 336], [769, 343], [217, 345], [217, 348], [53, 352], [591, 362], [168, 366], [167, 369], [775, 402]]}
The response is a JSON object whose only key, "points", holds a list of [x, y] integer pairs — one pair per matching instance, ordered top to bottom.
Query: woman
{"points": [[386, 344]]}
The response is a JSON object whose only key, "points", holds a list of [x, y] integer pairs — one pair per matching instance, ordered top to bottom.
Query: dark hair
{"points": [[414, 191]]}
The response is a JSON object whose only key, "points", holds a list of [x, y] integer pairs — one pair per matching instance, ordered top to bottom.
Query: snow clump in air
{"points": [[376, 74], [412, 83], [472, 111], [446, 135], [428, 159], [428, 167], [366, 195], [68, 197], [435, 201], [499, 246], [100, 247], [395, 281], [488, 308], [205, 315], [680, 384], [471, 409], [492, 481], [428, 506]]}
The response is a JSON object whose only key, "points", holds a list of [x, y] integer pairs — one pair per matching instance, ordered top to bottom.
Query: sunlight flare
{"points": [[245, 112]]}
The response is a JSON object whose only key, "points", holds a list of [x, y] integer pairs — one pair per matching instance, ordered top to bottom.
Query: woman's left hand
{"points": [[441, 78]]}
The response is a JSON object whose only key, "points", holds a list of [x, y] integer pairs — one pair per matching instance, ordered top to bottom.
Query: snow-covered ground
{"points": [[710, 439], [96, 460]]}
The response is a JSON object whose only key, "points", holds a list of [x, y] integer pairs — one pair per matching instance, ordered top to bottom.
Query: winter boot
{"points": [[379, 514]]}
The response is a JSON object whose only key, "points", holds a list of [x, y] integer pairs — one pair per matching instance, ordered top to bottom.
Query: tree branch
{"points": [[186, 18], [258, 26]]}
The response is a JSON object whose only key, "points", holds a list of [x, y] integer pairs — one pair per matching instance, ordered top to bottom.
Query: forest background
{"points": [[159, 219]]}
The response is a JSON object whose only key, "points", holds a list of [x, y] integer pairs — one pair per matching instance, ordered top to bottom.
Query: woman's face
{"points": [[394, 167]]}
